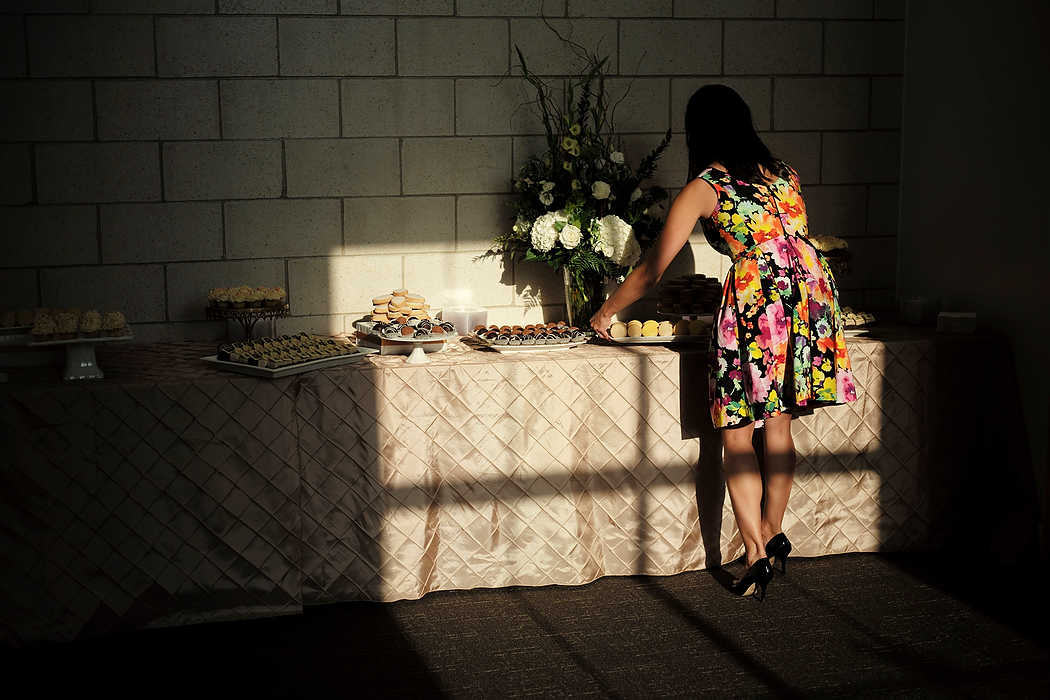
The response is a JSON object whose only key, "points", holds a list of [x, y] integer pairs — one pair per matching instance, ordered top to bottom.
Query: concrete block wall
{"points": [[152, 149]]}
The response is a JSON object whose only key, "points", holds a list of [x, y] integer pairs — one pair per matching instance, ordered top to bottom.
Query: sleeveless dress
{"points": [[777, 344]]}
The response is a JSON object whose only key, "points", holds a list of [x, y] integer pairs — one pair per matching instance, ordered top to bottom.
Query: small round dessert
{"points": [[381, 300], [448, 326], [681, 327], [479, 329], [634, 329], [650, 329], [665, 329], [437, 330], [618, 330], [407, 331], [421, 333], [528, 338], [503, 339], [515, 339]]}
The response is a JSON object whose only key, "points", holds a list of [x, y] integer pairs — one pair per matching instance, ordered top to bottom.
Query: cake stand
{"points": [[247, 316], [81, 362]]}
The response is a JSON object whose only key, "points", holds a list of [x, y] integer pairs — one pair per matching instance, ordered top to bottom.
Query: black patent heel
{"points": [[778, 548], [756, 579]]}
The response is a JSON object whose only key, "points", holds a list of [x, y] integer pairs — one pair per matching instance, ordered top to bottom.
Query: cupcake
{"points": [[239, 297], [257, 297], [90, 324], [114, 324], [65, 325], [43, 328]]}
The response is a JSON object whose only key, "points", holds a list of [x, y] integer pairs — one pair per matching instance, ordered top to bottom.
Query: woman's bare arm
{"points": [[696, 200]]}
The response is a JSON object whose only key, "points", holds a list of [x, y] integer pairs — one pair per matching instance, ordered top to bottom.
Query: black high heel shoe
{"points": [[779, 547], [756, 579]]}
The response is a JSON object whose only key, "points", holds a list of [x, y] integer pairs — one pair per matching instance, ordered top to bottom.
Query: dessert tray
{"points": [[541, 337], [663, 339], [276, 357], [299, 368]]}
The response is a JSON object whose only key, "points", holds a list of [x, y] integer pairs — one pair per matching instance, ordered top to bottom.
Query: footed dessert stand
{"points": [[248, 316], [81, 362]]}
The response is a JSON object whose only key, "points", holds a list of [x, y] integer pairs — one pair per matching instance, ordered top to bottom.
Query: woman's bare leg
{"points": [[778, 474], [744, 481]]}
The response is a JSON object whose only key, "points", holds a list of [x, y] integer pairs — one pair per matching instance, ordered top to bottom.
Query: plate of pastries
{"points": [[689, 295], [399, 303], [60, 326], [412, 329], [635, 332], [534, 336], [280, 356]]}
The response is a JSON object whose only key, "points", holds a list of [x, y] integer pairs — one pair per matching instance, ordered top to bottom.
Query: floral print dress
{"points": [[778, 343]]}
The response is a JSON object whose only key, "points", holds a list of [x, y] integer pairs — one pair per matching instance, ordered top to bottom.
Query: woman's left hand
{"points": [[600, 322]]}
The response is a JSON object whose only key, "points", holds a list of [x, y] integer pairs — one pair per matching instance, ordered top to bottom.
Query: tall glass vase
{"points": [[584, 295]]}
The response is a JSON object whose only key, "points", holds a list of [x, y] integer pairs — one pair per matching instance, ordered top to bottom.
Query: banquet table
{"points": [[172, 492]]}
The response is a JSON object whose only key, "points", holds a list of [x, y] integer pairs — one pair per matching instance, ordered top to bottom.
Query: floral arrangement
{"points": [[581, 207]]}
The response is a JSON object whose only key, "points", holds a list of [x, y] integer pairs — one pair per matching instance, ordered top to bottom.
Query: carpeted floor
{"points": [[846, 625]]}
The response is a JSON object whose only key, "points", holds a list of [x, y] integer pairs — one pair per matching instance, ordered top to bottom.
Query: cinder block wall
{"points": [[152, 149]]}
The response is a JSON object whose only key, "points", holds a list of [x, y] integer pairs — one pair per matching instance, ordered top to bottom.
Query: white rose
{"points": [[616, 157], [546, 185], [600, 190], [636, 194], [546, 198], [544, 235], [570, 236]]}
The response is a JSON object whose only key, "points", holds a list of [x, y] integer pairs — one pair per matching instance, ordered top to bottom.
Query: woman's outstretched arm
{"points": [[697, 199]]}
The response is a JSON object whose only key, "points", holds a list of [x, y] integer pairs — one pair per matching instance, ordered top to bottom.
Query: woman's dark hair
{"points": [[718, 128]]}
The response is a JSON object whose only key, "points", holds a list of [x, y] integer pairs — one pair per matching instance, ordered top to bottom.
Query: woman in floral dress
{"points": [[777, 347]]}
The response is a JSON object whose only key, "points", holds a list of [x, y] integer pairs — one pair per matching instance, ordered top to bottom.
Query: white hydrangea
{"points": [[600, 190], [544, 235], [570, 236], [615, 240]]}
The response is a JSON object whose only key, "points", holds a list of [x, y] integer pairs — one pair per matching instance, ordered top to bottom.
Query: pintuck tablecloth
{"points": [[171, 492]]}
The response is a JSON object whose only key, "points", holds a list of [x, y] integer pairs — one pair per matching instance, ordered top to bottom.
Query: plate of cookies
{"points": [[400, 303], [635, 332]]}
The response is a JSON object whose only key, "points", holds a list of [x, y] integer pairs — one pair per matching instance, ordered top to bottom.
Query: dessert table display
{"points": [[173, 492]]}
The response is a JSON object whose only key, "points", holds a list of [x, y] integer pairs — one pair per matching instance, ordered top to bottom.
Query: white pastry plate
{"points": [[662, 340], [76, 341], [531, 348], [277, 373]]}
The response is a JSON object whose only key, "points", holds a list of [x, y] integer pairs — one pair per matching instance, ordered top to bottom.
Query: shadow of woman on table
{"points": [[710, 482]]}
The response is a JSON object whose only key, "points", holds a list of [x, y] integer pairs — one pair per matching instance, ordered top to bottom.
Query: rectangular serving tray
{"points": [[663, 340], [510, 349], [277, 373]]}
